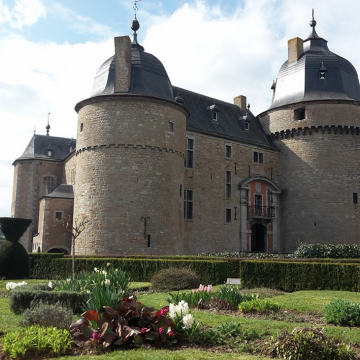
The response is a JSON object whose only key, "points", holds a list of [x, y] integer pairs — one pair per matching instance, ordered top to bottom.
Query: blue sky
{"points": [[50, 51]]}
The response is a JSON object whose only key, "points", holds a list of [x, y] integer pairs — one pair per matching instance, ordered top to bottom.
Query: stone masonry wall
{"points": [[130, 168], [319, 173], [28, 189], [208, 231], [51, 232]]}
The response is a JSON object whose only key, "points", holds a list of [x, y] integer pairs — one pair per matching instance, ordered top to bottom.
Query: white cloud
{"points": [[23, 13], [80, 24], [203, 48]]}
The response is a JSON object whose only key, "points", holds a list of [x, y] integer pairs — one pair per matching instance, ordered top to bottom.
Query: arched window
{"points": [[49, 184]]}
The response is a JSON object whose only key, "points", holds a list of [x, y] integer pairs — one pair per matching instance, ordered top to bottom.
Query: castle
{"points": [[157, 169]]}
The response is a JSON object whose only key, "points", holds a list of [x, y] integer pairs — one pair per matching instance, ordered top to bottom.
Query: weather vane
{"points": [[135, 6]]}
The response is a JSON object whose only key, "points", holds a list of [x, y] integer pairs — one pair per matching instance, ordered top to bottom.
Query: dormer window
{"points": [[322, 71], [214, 111], [247, 125], [49, 150], [49, 153]]}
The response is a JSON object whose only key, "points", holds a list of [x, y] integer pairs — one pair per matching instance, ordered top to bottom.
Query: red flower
{"points": [[163, 312], [144, 330], [161, 330]]}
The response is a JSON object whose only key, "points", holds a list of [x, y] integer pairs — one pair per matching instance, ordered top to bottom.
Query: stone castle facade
{"points": [[157, 169]]}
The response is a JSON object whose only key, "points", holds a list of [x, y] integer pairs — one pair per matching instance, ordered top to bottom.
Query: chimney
{"points": [[295, 49], [122, 64], [240, 101]]}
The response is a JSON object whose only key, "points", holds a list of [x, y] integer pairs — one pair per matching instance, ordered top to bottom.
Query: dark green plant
{"points": [[14, 260], [173, 279], [202, 295], [233, 295], [20, 298], [259, 305], [342, 312], [46, 315], [130, 323], [230, 335], [51, 340], [308, 344]]}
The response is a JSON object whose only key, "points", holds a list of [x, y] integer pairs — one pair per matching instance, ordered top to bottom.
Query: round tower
{"points": [[314, 119], [130, 157]]}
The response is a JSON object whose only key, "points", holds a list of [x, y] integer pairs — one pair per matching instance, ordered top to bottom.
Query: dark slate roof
{"points": [[148, 76], [300, 81], [230, 124], [40, 144], [63, 191]]}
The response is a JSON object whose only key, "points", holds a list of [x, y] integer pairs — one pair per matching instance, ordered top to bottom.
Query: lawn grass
{"points": [[313, 301], [302, 302], [150, 354]]}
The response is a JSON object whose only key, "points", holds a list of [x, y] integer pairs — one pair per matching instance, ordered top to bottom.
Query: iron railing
{"points": [[261, 212]]}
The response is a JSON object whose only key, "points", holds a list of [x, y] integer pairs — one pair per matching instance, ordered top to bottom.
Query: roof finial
{"points": [[135, 25], [313, 33], [48, 125]]}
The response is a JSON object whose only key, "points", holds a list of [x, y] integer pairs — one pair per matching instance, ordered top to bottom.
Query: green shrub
{"points": [[337, 251], [14, 261], [42, 265], [141, 269], [295, 276], [173, 279], [20, 298], [259, 305], [342, 312], [46, 315], [19, 343], [308, 344]]}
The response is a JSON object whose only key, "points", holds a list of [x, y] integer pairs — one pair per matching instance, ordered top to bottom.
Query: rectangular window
{"points": [[299, 114], [214, 115], [247, 125], [171, 126], [228, 151], [258, 157], [189, 160], [72, 176], [228, 184], [355, 198], [258, 200], [188, 204], [58, 215], [228, 215]]}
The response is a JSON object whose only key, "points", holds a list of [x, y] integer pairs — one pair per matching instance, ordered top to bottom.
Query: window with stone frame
{"points": [[228, 151], [189, 155], [258, 157], [49, 184], [228, 184], [188, 204], [59, 215], [228, 215]]}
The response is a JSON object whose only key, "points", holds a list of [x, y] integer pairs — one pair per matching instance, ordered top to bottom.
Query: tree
{"points": [[75, 227]]}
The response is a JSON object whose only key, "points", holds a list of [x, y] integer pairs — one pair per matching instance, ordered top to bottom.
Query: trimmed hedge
{"points": [[41, 264], [210, 271], [295, 276], [20, 298]]}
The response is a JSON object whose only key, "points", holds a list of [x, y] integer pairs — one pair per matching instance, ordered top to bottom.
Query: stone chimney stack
{"points": [[295, 49], [122, 64], [240, 101]]}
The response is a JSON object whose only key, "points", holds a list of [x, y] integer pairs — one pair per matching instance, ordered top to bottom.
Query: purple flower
{"points": [[144, 330], [161, 330]]}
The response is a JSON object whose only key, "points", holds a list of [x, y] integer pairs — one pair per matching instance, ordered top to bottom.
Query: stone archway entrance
{"points": [[258, 238]]}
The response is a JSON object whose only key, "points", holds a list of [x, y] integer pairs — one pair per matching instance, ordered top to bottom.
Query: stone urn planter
{"points": [[14, 259]]}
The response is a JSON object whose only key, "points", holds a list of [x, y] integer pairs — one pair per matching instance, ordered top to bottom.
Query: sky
{"points": [[50, 51]]}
